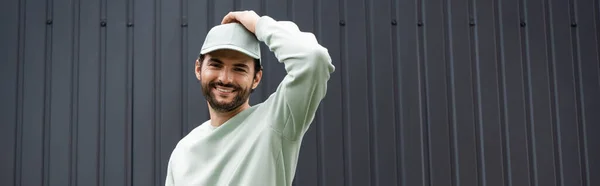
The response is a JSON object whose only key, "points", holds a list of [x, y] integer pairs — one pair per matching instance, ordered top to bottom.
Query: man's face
{"points": [[227, 78]]}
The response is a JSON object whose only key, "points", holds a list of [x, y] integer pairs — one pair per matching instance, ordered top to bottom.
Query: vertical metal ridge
{"points": [[236, 4], [263, 7], [290, 9], [210, 13], [597, 26], [156, 47], [129, 48], [184, 53], [183, 80], [132, 87], [450, 87], [527, 94], [47, 95], [450, 95], [102, 98], [579, 98], [397, 99], [502, 102], [554, 103], [477, 106], [424, 114], [102, 116], [372, 126], [74, 127], [320, 128], [346, 132], [319, 147], [584, 154], [17, 164]]}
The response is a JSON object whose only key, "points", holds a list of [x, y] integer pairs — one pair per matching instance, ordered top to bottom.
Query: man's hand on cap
{"points": [[246, 18]]}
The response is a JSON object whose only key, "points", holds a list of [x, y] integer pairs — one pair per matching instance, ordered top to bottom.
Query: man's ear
{"points": [[197, 68], [257, 79]]}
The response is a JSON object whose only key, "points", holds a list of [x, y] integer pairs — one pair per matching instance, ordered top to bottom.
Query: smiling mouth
{"points": [[223, 90]]}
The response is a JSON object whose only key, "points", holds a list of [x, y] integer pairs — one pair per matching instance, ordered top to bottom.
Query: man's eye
{"points": [[214, 65], [240, 70]]}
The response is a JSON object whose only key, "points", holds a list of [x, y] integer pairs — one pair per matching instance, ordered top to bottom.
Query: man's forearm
{"points": [[299, 51]]}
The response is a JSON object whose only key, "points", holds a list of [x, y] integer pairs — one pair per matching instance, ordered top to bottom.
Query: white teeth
{"points": [[223, 90]]}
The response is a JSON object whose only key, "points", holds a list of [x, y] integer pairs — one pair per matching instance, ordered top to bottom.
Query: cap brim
{"points": [[231, 47]]}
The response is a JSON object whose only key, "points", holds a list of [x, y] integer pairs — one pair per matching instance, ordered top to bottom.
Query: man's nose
{"points": [[225, 77]]}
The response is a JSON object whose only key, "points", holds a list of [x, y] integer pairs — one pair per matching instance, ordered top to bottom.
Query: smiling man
{"points": [[251, 145]]}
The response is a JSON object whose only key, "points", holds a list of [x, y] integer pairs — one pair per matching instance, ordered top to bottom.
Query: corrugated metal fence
{"points": [[457, 92]]}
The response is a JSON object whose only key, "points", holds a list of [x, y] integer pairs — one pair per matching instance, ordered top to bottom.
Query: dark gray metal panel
{"points": [[219, 9], [10, 11], [487, 73], [587, 77], [169, 80], [381, 89], [462, 92], [35, 93], [437, 93], [102, 94], [538, 94], [88, 97], [461, 98], [411, 108], [513, 116], [117, 117], [330, 133], [59, 139], [566, 140], [357, 144], [145, 170]]}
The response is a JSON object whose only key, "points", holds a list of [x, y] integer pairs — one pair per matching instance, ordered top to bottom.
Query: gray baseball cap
{"points": [[232, 36]]}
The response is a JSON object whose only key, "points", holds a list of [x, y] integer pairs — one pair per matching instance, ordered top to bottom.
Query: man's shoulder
{"points": [[196, 131]]}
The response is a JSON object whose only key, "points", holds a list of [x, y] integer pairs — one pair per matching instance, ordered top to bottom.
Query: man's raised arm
{"points": [[308, 66]]}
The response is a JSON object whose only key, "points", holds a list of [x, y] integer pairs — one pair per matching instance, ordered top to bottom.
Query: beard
{"points": [[240, 97]]}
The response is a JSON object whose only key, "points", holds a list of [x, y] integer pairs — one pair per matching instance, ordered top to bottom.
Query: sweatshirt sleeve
{"points": [[308, 66]]}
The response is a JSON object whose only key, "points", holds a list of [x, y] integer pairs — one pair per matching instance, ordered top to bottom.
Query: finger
{"points": [[230, 17], [226, 18]]}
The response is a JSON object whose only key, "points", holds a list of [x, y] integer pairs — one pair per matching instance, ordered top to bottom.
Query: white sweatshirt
{"points": [[260, 145]]}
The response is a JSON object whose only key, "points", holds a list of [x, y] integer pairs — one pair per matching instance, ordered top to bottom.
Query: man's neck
{"points": [[218, 118]]}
